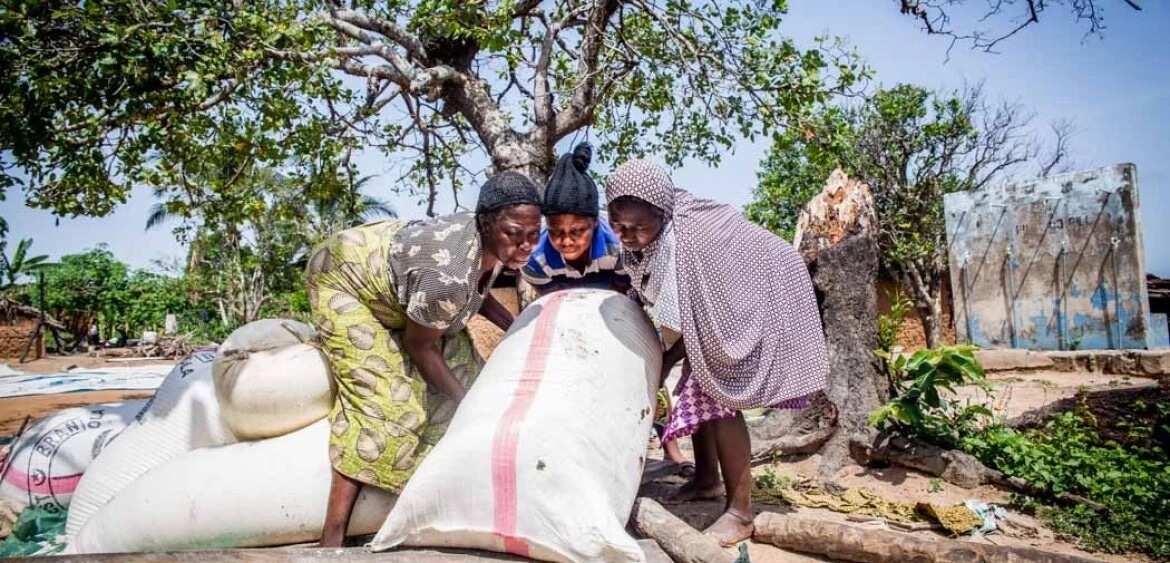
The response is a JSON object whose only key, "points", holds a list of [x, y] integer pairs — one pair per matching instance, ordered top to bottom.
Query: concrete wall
{"points": [[1050, 264]]}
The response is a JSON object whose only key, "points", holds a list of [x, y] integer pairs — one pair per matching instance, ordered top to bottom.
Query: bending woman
{"points": [[391, 301], [738, 306]]}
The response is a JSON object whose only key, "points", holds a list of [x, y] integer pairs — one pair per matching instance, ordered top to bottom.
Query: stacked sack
{"points": [[231, 452]]}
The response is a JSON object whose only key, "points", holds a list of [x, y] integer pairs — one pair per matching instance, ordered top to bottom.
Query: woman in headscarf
{"points": [[579, 250], [391, 301], [737, 306]]}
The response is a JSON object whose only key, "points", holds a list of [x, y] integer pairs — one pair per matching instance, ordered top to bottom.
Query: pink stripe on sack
{"points": [[506, 441], [56, 485]]}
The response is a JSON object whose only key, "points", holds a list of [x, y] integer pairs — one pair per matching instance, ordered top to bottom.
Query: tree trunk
{"points": [[836, 236], [845, 278], [927, 290], [933, 325], [844, 542]]}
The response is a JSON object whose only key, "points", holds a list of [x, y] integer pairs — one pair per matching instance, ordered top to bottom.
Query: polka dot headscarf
{"points": [[750, 320]]}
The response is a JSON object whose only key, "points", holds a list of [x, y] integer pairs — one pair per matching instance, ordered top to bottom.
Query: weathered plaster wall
{"points": [[1051, 264]]}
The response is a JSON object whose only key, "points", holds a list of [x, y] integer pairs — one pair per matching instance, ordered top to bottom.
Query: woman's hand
{"points": [[496, 312], [422, 345], [671, 357]]}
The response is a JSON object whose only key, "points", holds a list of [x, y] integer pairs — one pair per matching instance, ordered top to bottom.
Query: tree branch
{"points": [[413, 46], [584, 99]]}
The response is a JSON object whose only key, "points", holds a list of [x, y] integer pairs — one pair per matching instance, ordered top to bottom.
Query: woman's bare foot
{"points": [[693, 491], [731, 528]]}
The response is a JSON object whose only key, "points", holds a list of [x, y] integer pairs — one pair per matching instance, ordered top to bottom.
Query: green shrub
{"points": [[891, 322], [918, 408], [1068, 455]]}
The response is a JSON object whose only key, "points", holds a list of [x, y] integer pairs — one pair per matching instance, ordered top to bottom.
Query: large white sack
{"points": [[266, 334], [270, 380], [273, 392], [182, 415], [544, 455], [45, 465], [267, 492]]}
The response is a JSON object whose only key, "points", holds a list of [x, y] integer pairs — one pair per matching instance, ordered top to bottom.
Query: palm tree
{"points": [[159, 214], [327, 216], [19, 264]]}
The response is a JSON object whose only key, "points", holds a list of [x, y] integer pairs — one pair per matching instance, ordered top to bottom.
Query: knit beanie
{"points": [[506, 189], [570, 189]]}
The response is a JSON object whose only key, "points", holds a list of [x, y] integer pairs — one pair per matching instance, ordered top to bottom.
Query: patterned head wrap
{"points": [[644, 180], [506, 189], [749, 317]]}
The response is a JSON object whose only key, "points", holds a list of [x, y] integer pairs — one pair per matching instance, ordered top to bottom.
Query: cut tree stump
{"points": [[836, 236], [681, 542], [852, 543]]}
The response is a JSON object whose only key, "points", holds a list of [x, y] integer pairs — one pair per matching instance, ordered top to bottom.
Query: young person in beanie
{"points": [[576, 249], [579, 250], [391, 301]]}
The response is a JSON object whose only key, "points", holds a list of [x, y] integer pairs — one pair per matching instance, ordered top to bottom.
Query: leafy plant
{"points": [[891, 322], [918, 407], [1068, 455]]}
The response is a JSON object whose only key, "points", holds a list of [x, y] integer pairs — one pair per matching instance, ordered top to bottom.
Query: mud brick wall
{"points": [[14, 336]]}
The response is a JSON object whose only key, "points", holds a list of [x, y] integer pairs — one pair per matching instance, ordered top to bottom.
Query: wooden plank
{"points": [[654, 554]]}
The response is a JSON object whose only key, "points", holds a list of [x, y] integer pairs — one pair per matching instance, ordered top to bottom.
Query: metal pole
{"points": [[1115, 242], [1011, 284], [966, 297], [1061, 302], [1061, 329]]}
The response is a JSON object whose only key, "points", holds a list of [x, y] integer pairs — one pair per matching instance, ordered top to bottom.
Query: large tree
{"points": [[101, 96], [911, 146]]}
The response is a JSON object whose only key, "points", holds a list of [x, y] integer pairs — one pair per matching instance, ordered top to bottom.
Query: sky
{"points": [[1115, 89]]}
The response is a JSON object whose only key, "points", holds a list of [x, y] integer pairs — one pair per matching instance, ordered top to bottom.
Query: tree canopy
{"points": [[107, 95]]}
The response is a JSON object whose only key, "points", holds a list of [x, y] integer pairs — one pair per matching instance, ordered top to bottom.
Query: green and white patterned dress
{"points": [[364, 283]]}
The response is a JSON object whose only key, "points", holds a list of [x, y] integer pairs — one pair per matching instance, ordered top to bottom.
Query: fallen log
{"points": [[952, 466], [681, 542], [851, 543]]}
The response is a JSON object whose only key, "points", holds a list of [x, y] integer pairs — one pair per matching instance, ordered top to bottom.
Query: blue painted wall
{"points": [[1050, 264]]}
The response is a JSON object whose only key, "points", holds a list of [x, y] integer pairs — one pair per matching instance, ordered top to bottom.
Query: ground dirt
{"points": [[57, 364], [1019, 392], [1025, 392], [13, 410], [893, 484]]}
